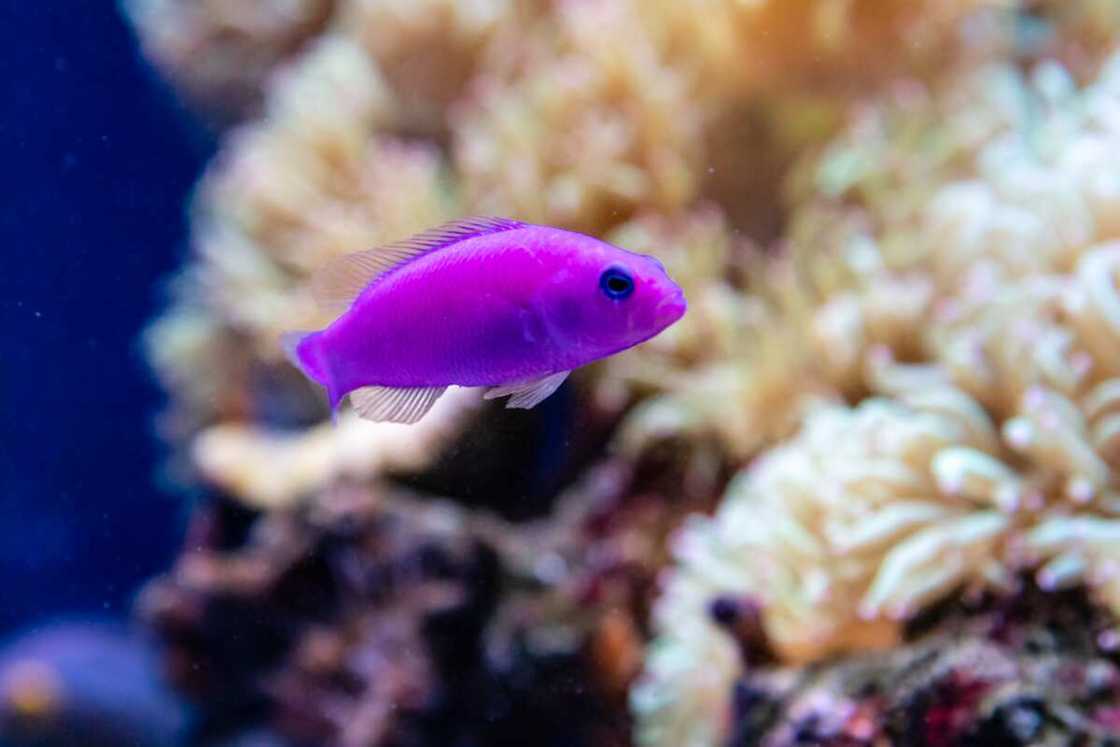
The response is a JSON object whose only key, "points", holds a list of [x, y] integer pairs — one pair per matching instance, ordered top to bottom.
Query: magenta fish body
{"points": [[488, 303]]}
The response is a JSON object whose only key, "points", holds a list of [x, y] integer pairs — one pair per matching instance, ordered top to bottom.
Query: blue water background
{"points": [[97, 162]]}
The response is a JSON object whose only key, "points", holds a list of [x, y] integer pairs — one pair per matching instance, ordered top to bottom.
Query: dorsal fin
{"points": [[337, 285]]}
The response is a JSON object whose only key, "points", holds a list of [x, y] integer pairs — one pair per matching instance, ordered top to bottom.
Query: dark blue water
{"points": [[97, 161]]}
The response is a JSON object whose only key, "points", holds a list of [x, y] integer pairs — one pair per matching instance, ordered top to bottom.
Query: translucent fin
{"points": [[337, 285], [528, 394], [395, 405]]}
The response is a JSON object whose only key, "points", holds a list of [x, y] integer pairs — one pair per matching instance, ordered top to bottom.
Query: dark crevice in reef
{"points": [[522, 459]]}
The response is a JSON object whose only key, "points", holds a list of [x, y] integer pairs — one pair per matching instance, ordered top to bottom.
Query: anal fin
{"points": [[527, 394], [395, 404]]}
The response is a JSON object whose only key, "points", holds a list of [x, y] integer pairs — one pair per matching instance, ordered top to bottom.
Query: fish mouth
{"points": [[671, 308]]}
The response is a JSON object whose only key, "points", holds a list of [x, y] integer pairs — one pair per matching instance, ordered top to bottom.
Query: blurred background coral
{"points": [[865, 494]]}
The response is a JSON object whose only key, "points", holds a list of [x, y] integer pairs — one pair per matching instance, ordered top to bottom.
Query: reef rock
{"points": [[1030, 669]]}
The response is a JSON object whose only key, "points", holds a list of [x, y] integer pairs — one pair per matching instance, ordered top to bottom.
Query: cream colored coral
{"points": [[771, 45], [428, 50], [222, 51], [606, 107], [574, 113], [579, 124], [1013, 180], [311, 182], [697, 248], [1025, 297], [198, 359], [733, 368], [997, 452], [271, 470], [838, 533]]}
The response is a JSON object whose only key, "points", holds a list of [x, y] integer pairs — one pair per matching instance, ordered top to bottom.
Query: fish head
{"points": [[606, 299]]}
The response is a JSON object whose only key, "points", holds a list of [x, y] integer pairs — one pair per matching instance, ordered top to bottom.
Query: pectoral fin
{"points": [[527, 394]]}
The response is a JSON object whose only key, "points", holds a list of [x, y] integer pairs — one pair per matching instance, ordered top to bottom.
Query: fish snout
{"points": [[671, 308]]}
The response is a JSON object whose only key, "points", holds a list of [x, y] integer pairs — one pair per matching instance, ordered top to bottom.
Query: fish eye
{"points": [[616, 283]]}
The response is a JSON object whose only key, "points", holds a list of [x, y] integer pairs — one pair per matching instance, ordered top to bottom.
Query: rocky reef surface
{"points": [[1032, 668]]}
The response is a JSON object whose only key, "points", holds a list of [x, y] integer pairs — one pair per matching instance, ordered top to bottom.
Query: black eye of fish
{"points": [[616, 283]]}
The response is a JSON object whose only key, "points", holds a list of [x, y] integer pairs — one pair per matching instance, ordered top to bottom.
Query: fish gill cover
{"points": [[896, 387]]}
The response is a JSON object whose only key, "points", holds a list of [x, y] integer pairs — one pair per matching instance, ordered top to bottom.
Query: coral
{"points": [[771, 45], [428, 51], [221, 52], [611, 107], [570, 112], [581, 114], [582, 123], [312, 181], [1004, 240], [699, 250], [981, 254], [185, 349], [734, 369], [274, 470], [836, 533]]}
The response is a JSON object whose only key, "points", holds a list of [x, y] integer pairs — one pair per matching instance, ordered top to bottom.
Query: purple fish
{"points": [[484, 302]]}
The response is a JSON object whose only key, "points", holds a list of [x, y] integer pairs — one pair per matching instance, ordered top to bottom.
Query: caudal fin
{"points": [[304, 351]]}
